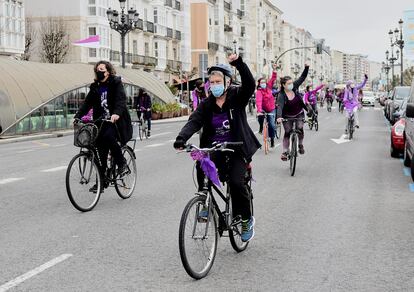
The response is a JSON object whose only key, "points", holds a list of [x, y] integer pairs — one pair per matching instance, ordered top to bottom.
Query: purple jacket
{"points": [[310, 96], [351, 96]]}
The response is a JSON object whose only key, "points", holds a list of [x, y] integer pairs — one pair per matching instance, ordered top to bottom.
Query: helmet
{"points": [[223, 68]]}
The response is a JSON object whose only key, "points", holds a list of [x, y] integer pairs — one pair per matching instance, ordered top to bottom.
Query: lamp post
{"points": [[123, 23], [399, 42], [386, 68]]}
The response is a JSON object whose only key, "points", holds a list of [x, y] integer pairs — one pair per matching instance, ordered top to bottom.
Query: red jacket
{"points": [[265, 101]]}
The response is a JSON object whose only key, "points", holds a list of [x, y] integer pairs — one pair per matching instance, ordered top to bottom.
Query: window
{"points": [[92, 2], [242, 7], [92, 10], [145, 14], [155, 15], [92, 31], [146, 46], [135, 47], [156, 49], [92, 53], [175, 53]]}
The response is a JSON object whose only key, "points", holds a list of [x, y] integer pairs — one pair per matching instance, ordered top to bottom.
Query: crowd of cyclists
{"points": [[220, 116]]}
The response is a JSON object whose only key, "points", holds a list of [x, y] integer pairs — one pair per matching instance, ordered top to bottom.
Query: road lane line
{"points": [[160, 134], [40, 143], [154, 145], [137, 150], [25, 151], [55, 169], [10, 180], [34, 272]]}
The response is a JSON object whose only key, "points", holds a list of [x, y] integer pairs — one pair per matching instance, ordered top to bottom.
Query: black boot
{"points": [[272, 142]]}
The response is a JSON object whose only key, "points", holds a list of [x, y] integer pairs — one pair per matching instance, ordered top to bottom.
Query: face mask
{"points": [[100, 75], [263, 85], [290, 87], [217, 90]]}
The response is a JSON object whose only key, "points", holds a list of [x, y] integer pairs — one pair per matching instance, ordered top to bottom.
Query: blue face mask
{"points": [[263, 85], [217, 90]]}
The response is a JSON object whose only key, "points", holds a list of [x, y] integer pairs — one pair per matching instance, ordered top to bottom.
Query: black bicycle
{"points": [[329, 105], [313, 122], [142, 124], [351, 127], [294, 144], [85, 179], [202, 221]]}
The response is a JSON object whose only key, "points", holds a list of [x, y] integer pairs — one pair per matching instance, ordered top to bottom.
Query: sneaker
{"points": [[357, 126], [260, 132], [148, 134], [272, 142], [301, 150], [284, 156], [123, 169], [94, 189], [202, 215], [248, 229]]}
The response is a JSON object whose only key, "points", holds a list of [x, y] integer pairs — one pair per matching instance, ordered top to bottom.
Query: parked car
{"points": [[398, 95], [368, 98], [397, 131], [409, 132]]}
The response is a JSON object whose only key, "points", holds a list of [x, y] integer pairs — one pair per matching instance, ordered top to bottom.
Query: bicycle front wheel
{"points": [[316, 125], [140, 126], [350, 129], [293, 154], [83, 182], [125, 185], [197, 238]]}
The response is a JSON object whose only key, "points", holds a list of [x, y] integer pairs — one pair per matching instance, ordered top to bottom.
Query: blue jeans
{"points": [[270, 121]]}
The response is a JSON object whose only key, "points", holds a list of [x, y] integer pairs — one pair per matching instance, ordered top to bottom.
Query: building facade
{"points": [[12, 27], [160, 44]]}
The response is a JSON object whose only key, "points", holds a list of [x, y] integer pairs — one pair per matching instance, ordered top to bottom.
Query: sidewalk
{"points": [[63, 133]]}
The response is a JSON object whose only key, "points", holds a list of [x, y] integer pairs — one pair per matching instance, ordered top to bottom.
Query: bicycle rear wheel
{"points": [[140, 125], [316, 125], [350, 129], [265, 141], [293, 154], [81, 176], [125, 185], [235, 229], [197, 240]]}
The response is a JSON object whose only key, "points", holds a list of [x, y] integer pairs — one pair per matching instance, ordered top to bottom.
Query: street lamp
{"points": [[123, 23], [399, 42], [386, 68]]}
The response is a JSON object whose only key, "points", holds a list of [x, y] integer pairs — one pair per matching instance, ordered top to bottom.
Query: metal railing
{"points": [[168, 3], [227, 6], [149, 26], [169, 32], [178, 35], [213, 46]]}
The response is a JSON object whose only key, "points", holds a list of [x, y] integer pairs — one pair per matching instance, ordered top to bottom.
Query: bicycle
{"points": [[252, 105], [329, 105], [341, 107], [313, 122], [142, 125], [350, 127], [266, 132], [294, 142], [85, 179], [198, 234]]}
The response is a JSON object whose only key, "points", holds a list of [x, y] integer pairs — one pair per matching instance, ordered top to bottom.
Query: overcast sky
{"points": [[351, 26]]}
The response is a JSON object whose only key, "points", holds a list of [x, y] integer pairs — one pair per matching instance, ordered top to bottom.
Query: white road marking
{"points": [[377, 109], [160, 134], [342, 139], [59, 145], [154, 145], [137, 150], [25, 151], [55, 169], [10, 180], [33, 272]]}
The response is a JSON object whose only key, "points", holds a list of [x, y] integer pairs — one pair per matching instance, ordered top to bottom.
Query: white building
{"points": [[12, 28], [161, 43]]}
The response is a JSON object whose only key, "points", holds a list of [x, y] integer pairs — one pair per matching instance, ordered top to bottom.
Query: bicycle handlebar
{"points": [[218, 147]]}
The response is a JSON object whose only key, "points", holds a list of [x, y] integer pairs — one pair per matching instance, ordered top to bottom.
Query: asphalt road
{"points": [[344, 223]]}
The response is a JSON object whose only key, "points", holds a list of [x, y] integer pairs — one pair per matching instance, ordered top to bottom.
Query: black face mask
{"points": [[100, 75]]}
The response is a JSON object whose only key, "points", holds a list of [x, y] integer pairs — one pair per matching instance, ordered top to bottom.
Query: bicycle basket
{"points": [[135, 130], [85, 135]]}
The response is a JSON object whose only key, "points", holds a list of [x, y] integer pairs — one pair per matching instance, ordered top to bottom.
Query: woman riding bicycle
{"points": [[310, 98], [108, 100], [351, 102], [265, 103], [142, 104], [291, 105], [223, 119]]}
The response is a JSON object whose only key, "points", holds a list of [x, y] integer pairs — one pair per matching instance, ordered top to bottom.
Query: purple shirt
{"points": [[103, 93], [293, 107], [221, 124]]}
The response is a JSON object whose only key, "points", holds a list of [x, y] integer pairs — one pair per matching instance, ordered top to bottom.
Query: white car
{"points": [[369, 98]]}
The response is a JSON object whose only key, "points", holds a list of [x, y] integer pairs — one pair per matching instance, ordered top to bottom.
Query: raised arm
{"points": [[302, 78], [272, 80], [362, 85], [317, 89], [246, 90]]}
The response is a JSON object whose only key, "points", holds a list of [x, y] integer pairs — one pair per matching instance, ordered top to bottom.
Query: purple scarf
{"points": [[207, 166]]}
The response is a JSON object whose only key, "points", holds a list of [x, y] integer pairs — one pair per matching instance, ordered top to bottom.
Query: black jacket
{"points": [[282, 99], [116, 105], [235, 105]]}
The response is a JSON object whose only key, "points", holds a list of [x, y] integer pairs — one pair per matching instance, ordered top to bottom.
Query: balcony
{"points": [[213, 2], [169, 3], [178, 5], [227, 6], [240, 13], [140, 24], [149, 27], [228, 28], [169, 32], [178, 35], [213, 46], [115, 56], [143, 60], [174, 65]]}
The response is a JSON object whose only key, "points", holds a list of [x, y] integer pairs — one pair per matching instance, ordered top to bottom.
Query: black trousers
{"points": [[108, 140], [234, 170]]}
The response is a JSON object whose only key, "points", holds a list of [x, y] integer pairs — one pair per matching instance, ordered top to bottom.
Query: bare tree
{"points": [[30, 37], [54, 39]]}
